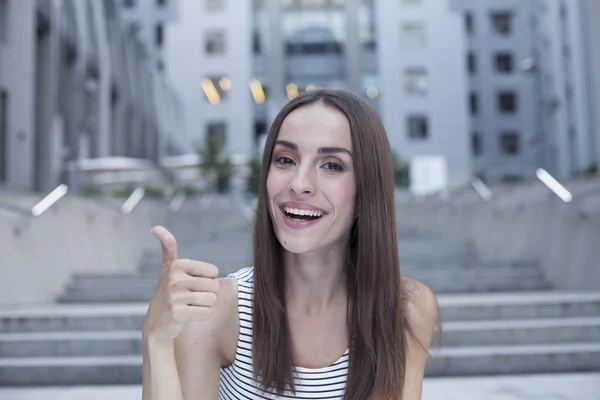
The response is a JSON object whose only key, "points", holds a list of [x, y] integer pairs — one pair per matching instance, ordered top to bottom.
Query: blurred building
{"points": [[236, 63], [566, 65], [76, 83], [534, 86], [502, 97]]}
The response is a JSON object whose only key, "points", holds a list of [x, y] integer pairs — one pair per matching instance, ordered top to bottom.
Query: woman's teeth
{"points": [[301, 212]]}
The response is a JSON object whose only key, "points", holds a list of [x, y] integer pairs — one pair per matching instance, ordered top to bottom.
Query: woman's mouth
{"points": [[302, 216]]}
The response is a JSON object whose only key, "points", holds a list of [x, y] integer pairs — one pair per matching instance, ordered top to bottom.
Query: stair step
{"points": [[131, 280], [143, 291], [519, 305], [87, 317], [515, 332], [69, 344], [514, 359], [63, 371]]}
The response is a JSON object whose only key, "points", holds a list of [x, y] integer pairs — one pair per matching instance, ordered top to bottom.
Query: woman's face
{"points": [[311, 186]]}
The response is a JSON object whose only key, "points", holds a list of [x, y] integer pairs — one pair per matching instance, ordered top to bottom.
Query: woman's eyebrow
{"points": [[287, 144], [322, 150], [329, 150]]}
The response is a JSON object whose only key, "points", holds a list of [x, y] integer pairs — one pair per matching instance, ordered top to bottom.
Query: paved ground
{"points": [[534, 387]]}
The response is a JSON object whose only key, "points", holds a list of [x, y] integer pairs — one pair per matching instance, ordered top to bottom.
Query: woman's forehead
{"points": [[318, 124]]}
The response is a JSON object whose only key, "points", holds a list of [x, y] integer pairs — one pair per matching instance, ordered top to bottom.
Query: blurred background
{"points": [[118, 115]]}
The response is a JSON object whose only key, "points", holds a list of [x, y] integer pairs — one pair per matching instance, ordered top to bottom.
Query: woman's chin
{"points": [[296, 246]]}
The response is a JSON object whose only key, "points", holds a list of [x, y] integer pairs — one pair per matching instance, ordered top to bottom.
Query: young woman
{"points": [[323, 313]]}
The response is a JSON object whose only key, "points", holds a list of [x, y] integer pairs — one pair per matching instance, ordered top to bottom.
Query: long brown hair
{"points": [[377, 318]]}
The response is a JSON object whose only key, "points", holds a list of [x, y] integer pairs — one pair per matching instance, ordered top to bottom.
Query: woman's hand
{"points": [[187, 291]]}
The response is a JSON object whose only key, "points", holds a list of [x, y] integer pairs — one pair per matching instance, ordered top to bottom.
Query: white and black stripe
{"points": [[237, 382]]}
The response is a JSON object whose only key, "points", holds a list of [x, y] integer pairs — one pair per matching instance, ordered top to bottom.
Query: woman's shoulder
{"points": [[422, 308]]}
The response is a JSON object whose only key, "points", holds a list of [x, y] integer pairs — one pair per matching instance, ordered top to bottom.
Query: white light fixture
{"points": [[372, 93], [554, 185], [481, 188], [49, 200], [133, 200], [177, 202]]}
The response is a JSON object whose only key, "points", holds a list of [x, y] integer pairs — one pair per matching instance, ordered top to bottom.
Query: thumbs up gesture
{"points": [[187, 291]]}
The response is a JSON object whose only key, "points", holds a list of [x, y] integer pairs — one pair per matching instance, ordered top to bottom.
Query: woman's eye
{"points": [[284, 160], [333, 166]]}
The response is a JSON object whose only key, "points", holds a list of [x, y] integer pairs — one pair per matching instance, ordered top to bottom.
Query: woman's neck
{"points": [[315, 282]]}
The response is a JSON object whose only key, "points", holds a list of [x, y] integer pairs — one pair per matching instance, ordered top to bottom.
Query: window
{"points": [[411, 2], [129, 3], [161, 3], [214, 5], [4, 20], [469, 23], [502, 23], [158, 35], [413, 35], [215, 42], [256, 45], [314, 48], [472, 63], [504, 63], [416, 81], [507, 102], [474, 103], [418, 127], [260, 129], [217, 130], [3, 135], [509, 143], [476, 145], [511, 178]]}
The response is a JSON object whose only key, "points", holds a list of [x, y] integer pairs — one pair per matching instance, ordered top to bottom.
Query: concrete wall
{"points": [[560, 237], [39, 255]]}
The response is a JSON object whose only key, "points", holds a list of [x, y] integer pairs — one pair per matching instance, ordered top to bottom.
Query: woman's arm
{"points": [[423, 315], [184, 329], [201, 349], [160, 375]]}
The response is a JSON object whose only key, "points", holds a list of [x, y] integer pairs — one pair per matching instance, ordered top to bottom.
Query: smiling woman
{"points": [[324, 311]]}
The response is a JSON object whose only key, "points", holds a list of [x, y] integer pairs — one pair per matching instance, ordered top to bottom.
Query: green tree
{"points": [[215, 164], [401, 171], [254, 177]]}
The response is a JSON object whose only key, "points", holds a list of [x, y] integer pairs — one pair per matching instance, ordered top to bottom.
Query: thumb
{"points": [[168, 244]]}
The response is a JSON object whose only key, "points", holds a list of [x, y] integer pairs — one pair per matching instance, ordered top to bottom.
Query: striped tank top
{"points": [[237, 381]]}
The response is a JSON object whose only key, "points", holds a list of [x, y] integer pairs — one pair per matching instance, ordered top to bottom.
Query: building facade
{"points": [[236, 63], [567, 67], [422, 80], [76, 84], [533, 86], [503, 93]]}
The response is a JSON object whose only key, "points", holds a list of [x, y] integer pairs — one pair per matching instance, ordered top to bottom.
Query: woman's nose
{"points": [[303, 181]]}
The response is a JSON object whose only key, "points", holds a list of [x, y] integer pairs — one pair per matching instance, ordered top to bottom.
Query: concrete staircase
{"points": [[497, 318]]}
